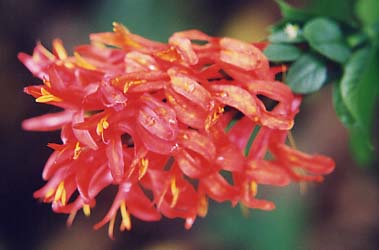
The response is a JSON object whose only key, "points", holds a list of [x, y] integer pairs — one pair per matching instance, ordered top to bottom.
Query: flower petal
{"points": [[185, 49], [243, 55], [188, 87], [238, 98], [157, 118], [48, 122], [83, 136], [115, 158], [264, 172], [218, 188]]}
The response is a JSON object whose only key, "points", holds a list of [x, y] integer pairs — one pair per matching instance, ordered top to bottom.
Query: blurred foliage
{"points": [[159, 19], [339, 42], [280, 229]]}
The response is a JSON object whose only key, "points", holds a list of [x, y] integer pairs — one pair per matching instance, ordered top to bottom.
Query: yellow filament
{"points": [[119, 28], [122, 30], [44, 51], [61, 51], [169, 55], [81, 62], [67, 64], [46, 82], [129, 84], [47, 97], [171, 99], [211, 119], [102, 125], [77, 151], [144, 164], [253, 188], [59, 192], [175, 192], [49, 193], [64, 197], [203, 206], [86, 210], [126, 223]]}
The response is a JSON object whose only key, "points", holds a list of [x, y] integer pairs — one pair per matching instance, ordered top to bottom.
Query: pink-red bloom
{"points": [[168, 124]]}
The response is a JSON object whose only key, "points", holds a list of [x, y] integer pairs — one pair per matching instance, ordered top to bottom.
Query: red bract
{"points": [[168, 124]]}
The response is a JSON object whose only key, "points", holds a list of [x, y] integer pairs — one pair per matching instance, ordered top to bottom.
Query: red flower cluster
{"points": [[170, 125]]}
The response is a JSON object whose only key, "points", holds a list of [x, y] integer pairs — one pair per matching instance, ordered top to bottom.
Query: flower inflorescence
{"points": [[165, 123]]}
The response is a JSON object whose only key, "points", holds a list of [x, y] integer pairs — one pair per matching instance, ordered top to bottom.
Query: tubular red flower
{"points": [[171, 125]]}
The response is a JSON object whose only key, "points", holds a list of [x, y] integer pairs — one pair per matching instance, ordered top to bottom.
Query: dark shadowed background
{"points": [[341, 213]]}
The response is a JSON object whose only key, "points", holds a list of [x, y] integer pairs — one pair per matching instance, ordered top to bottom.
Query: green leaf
{"points": [[341, 10], [368, 11], [291, 13], [325, 36], [282, 52], [307, 74], [353, 85], [359, 93], [339, 106], [360, 139], [361, 146]]}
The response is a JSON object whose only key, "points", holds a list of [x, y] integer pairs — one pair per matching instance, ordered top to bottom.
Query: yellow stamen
{"points": [[119, 28], [125, 33], [59, 49], [45, 52], [170, 55], [81, 62], [67, 64], [46, 82], [129, 84], [47, 97], [171, 99], [213, 117], [102, 125], [77, 151], [143, 165], [253, 188], [174, 191], [49, 193], [58, 193], [64, 197], [203, 206], [86, 210], [126, 223], [111, 227]]}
